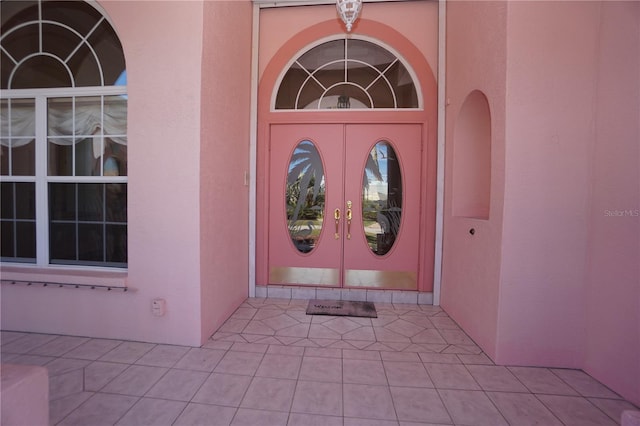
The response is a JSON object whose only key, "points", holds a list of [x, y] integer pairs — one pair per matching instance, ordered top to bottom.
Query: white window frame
{"points": [[41, 178]]}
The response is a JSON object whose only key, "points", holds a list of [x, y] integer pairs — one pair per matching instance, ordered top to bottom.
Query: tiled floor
{"points": [[270, 364]]}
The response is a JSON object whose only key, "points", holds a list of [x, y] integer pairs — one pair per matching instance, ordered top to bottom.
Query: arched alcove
{"points": [[472, 158]]}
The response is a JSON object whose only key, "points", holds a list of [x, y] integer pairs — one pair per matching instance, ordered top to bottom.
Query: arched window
{"points": [[347, 74], [63, 135]]}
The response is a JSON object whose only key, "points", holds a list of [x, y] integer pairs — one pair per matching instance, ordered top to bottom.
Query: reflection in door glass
{"points": [[304, 196], [381, 198]]}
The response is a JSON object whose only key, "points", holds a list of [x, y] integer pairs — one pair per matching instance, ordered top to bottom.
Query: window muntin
{"points": [[57, 44], [347, 74], [63, 136]]}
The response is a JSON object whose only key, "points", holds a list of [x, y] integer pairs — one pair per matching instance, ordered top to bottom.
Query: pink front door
{"points": [[344, 205]]}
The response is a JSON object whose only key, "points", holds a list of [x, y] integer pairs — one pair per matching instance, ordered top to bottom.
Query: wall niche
{"points": [[472, 158]]}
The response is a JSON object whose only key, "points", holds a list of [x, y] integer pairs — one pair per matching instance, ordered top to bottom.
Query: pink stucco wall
{"points": [[476, 60], [551, 77], [165, 202], [224, 209], [567, 286], [612, 347]]}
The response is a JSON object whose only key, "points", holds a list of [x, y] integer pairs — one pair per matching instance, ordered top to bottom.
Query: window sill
{"points": [[66, 276]]}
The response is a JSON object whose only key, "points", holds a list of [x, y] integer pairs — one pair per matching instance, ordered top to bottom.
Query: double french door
{"points": [[344, 205]]}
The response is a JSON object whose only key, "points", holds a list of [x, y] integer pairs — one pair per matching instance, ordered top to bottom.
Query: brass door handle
{"points": [[336, 216], [349, 216]]}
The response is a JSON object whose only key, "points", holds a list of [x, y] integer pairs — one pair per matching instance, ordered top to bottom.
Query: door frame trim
{"points": [[251, 175]]}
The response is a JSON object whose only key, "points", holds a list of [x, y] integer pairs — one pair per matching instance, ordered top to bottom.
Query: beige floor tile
{"points": [[280, 321], [342, 325], [403, 327], [298, 330], [365, 334], [384, 335], [10, 336], [429, 336], [26, 343], [59, 346], [257, 348], [93, 349], [279, 349], [127, 352], [323, 352], [360, 354], [163, 356], [400, 356], [437, 358], [27, 359], [200, 359], [475, 359], [239, 363], [65, 365], [279, 366], [321, 369], [363, 372], [99, 373], [408, 374], [451, 376], [496, 378], [135, 380], [541, 380], [65, 384], [584, 384], [178, 385], [223, 389], [269, 394], [318, 398], [368, 402], [419, 405], [61, 407], [613, 407], [471, 408], [100, 409], [523, 409], [149, 411], [575, 411], [203, 414], [249, 417], [301, 419], [348, 421]]}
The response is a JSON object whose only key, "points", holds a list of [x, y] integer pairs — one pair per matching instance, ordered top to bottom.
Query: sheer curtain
{"points": [[67, 126]]}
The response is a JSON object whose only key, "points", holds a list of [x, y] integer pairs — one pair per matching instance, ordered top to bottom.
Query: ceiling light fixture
{"points": [[349, 11]]}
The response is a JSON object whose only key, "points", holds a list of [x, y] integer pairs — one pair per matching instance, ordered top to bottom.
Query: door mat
{"points": [[342, 308]]}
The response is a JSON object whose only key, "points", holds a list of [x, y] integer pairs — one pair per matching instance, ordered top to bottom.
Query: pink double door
{"points": [[344, 205]]}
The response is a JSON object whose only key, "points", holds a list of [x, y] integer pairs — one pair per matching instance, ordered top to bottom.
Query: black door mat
{"points": [[342, 308]]}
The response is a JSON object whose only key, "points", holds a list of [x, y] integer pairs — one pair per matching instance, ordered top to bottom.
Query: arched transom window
{"points": [[347, 74], [63, 135]]}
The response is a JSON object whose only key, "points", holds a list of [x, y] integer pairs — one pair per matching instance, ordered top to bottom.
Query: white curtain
{"points": [[89, 122]]}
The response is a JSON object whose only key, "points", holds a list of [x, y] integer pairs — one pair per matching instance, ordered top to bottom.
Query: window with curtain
{"points": [[63, 136]]}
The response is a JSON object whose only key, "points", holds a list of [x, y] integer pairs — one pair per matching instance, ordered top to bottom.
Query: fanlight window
{"points": [[58, 44], [347, 74]]}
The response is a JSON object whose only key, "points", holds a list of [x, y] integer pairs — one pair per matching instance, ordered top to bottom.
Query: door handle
{"points": [[336, 216], [349, 216]]}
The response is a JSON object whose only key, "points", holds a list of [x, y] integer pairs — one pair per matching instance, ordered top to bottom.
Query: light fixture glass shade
{"points": [[349, 11]]}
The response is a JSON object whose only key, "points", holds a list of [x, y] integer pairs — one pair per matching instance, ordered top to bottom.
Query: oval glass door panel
{"points": [[304, 196], [382, 198]]}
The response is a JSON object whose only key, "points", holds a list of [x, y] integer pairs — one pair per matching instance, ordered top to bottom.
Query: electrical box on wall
{"points": [[158, 307]]}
